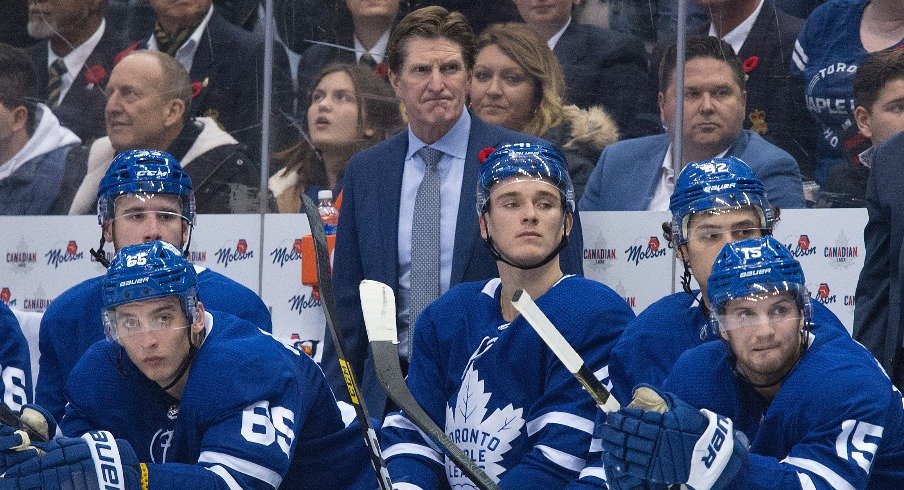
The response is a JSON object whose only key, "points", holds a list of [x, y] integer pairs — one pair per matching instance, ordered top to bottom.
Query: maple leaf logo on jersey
{"points": [[485, 439]]}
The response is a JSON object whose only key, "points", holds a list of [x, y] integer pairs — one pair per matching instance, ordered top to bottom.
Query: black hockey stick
{"points": [[325, 283], [378, 306], [563, 350], [12, 419]]}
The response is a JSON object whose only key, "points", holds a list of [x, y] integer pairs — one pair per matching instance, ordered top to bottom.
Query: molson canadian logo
{"points": [[802, 248], [636, 253], [843, 253], [226, 255], [281, 255], [57, 256], [603, 256], [22, 259], [824, 294], [301, 302]]}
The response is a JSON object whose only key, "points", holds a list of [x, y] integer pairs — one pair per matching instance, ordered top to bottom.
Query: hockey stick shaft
{"points": [[325, 283], [378, 305], [563, 350], [12, 419]]}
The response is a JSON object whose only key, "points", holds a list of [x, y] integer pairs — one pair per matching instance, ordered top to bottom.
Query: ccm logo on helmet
{"points": [[151, 173], [757, 272], [132, 282]]}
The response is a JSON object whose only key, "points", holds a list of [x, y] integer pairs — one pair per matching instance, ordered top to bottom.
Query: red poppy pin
{"points": [[751, 63], [382, 69], [95, 74], [198, 87], [483, 154]]}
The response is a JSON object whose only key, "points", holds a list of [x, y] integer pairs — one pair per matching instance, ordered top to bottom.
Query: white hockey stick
{"points": [[378, 307], [563, 350]]}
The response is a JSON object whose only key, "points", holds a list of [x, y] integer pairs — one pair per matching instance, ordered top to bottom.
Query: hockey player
{"points": [[144, 196], [715, 202], [15, 362], [480, 371], [182, 397], [819, 414]]}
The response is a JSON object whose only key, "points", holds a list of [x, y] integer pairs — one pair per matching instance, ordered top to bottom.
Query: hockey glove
{"points": [[15, 445], [680, 446], [95, 460]]}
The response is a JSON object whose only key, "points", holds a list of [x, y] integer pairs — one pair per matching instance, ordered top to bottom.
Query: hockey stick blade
{"points": [[325, 282], [378, 306], [563, 350], [10, 418]]}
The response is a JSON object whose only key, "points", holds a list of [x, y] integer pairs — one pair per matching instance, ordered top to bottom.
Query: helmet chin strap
{"points": [[488, 242]]}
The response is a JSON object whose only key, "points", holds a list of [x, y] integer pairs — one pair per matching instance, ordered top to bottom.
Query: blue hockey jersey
{"points": [[826, 56], [72, 323], [653, 341], [15, 361], [499, 392], [255, 412], [836, 422]]}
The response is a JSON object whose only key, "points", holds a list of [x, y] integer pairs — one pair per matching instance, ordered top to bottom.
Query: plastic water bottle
{"points": [[329, 215]]}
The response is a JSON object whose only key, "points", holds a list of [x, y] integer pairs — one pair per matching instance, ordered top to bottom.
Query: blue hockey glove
{"points": [[15, 445], [683, 445], [95, 460]]}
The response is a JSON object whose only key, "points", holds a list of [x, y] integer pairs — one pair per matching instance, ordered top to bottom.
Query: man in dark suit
{"points": [[763, 37], [366, 44], [430, 56], [74, 61], [225, 64], [601, 67], [639, 174], [878, 317]]}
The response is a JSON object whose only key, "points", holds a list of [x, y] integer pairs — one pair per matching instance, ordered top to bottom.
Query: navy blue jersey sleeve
{"points": [[15, 361]]}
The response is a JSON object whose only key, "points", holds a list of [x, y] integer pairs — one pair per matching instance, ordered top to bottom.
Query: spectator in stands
{"points": [[479, 14], [14, 24], [763, 37], [835, 40], [364, 45], [77, 53], [430, 57], [227, 63], [601, 67], [517, 84], [148, 95], [879, 95], [351, 108], [33, 145], [639, 174], [144, 196]]}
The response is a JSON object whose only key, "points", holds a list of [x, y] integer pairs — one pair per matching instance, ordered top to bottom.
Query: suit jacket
{"points": [[230, 60], [609, 69], [82, 108], [782, 118], [628, 172], [367, 244], [879, 295]]}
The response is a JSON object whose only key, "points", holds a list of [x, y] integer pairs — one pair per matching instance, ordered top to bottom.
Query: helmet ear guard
{"points": [[719, 183]]}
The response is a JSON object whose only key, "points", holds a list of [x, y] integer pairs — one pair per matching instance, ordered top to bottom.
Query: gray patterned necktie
{"points": [[425, 231]]}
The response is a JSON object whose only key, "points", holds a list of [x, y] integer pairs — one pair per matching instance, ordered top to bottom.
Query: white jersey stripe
{"points": [[799, 49], [797, 61], [561, 418], [400, 421], [596, 445], [415, 449], [562, 458], [242, 466], [821, 471], [593, 472], [224, 474], [805, 482], [405, 486]]}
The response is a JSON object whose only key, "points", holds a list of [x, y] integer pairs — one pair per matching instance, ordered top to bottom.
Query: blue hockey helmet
{"points": [[525, 161], [144, 172], [719, 183], [755, 267], [148, 271]]}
